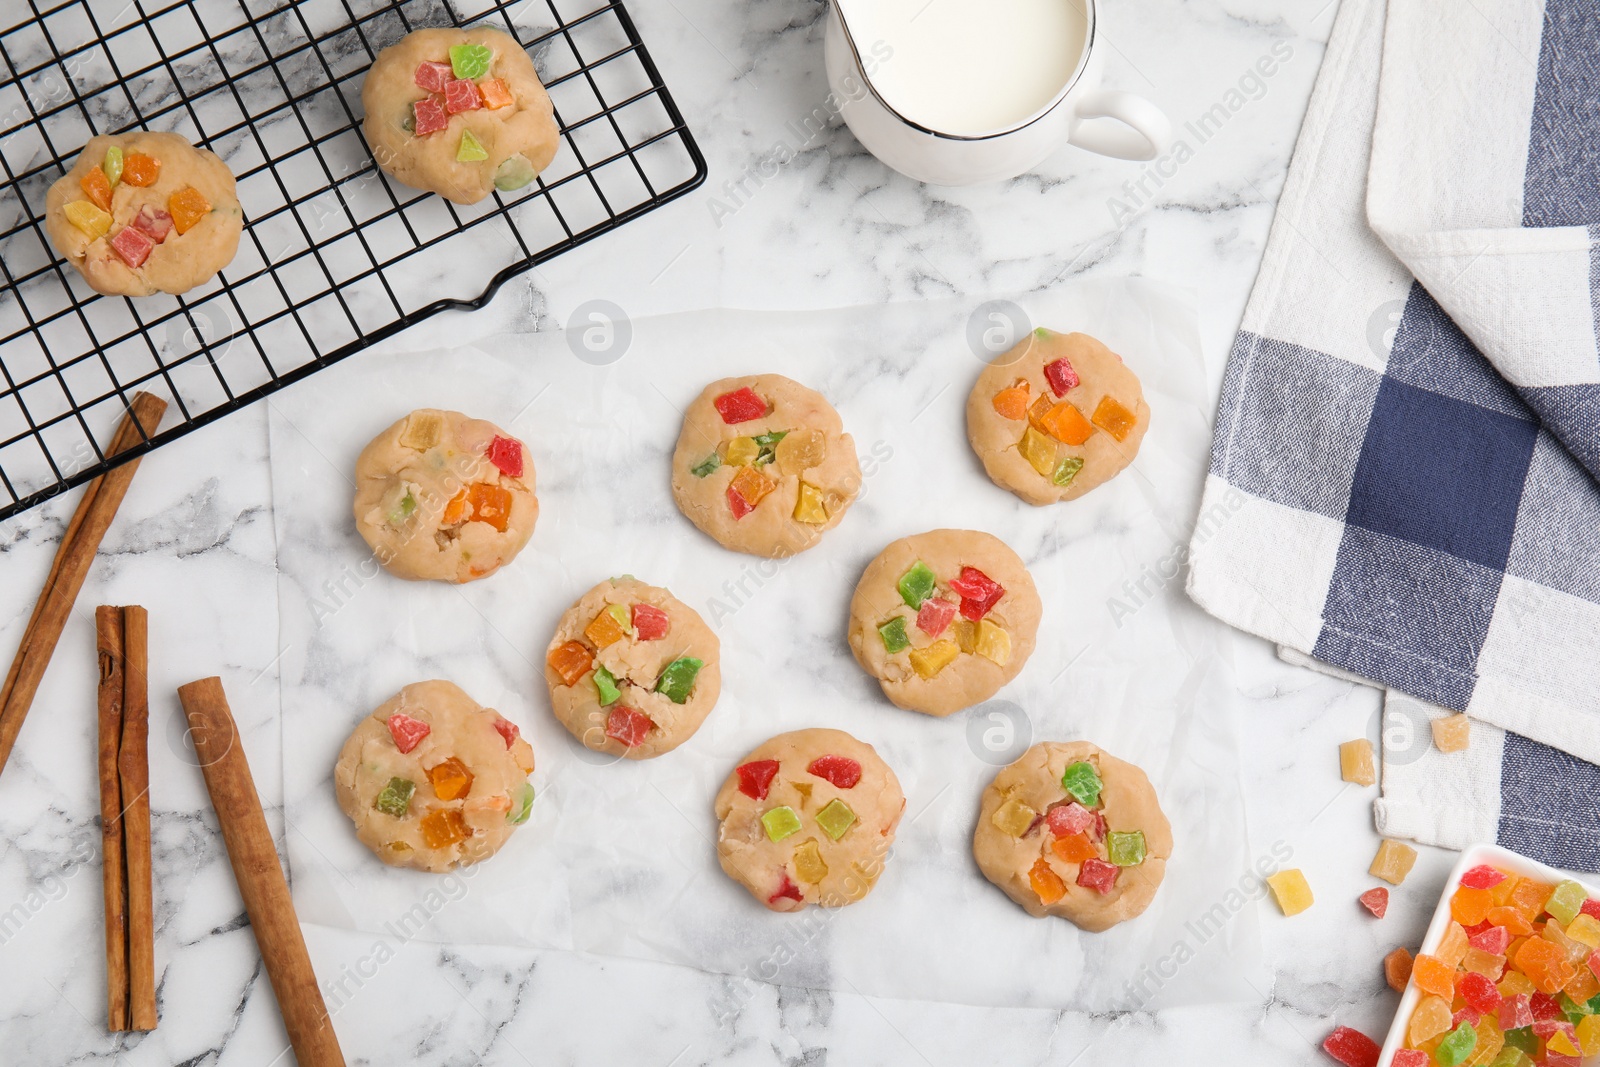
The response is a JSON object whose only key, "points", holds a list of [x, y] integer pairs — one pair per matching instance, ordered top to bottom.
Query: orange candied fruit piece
{"points": [[496, 94], [140, 169], [97, 187], [187, 207], [1012, 401], [1113, 418], [1066, 424], [751, 484], [490, 504], [455, 510], [604, 629], [571, 661], [451, 779], [443, 827], [1073, 848], [1046, 883], [1500, 892], [1529, 897], [1469, 907], [1512, 919], [1452, 946], [1545, 964], [1397, 969], [1434, 976], [1583, 987]]}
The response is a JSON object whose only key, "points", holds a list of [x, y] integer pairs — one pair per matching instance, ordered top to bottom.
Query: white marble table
{"points": [[830, 228]]}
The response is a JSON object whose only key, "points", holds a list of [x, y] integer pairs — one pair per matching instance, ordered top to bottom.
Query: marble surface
{"points": [[827, 228]]}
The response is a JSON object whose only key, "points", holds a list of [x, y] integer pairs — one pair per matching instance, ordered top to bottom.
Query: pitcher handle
{"points": [[1121, 125]]}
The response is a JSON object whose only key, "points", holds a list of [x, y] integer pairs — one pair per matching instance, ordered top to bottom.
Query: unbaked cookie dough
{"points": [[459, 113], [143, 213], [1056, 416], [763, 465], [445, 497], [944, 619], [633, 671], [433, 781], [808, 818], [1072, 831]]}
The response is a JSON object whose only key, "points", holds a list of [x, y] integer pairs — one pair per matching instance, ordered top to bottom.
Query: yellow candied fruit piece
{"points": [[187, 207], [88, 218], [1113, 418], [422, 430], [800, 450], [1039, 450], [741, 452], [809, 506], [604, 629], [966, 635], [993, 643], [928, 662], [1452, 733], [1356, 763], [1014, 817], [1393, 862], [808, 863], [1292, 891], [1501, 893], [1585, 929], [1453, 946], [1487, 964], [1514, 983], [1431, 1018], [1589, 1035], [1560, 1043]]}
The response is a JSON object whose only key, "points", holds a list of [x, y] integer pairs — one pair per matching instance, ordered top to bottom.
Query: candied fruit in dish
{"points": [[470, 60], [97, 187], [94, 222], [506, 454], [604, 629], [993, 643], [678, 678], [1126, 848]]}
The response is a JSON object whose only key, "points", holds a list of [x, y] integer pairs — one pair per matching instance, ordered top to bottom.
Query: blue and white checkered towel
{"points": [[1398, 478]]}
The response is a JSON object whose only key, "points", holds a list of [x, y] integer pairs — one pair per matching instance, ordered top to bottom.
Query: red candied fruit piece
{"points": [[432, 76], [461, 95], [428, 116], [153, 222], [132, 245], [1061, 376], [741, 405], [506, 454], [738, 504], [979, 593], [935, 614], [650, 623], [628, 726], [508, 730], [407, 732], [842, 771], [755, 777], [1069, 818], [1099, 826], [1098, 875], [1482, 876], [786, 888], [1376, 901], [1591, 907], [1477, 928], [1494, 940], [1479, 992], [1545, 1007], [1515, 1012], [1468, 1014], [1548, 1028], [1352, 1048], [1409, 1057]]}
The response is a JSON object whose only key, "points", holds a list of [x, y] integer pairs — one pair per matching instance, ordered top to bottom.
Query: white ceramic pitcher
{"points": [[1107, 121]]}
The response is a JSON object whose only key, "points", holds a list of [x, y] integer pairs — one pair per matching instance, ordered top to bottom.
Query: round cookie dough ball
{"points": [[459, 113], [143, 213], [1056, 416], [763, 465], [445, 497], [944, 619], [633, 671], [433, 781], [808, 818], [1072, 831]]}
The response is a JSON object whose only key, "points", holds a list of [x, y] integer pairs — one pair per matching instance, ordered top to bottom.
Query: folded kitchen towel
{"points": [[1403, 469]]}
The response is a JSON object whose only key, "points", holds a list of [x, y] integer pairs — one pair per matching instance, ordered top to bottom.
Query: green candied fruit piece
{"points": [[470, 60], [470, 150], [113, 165], [514, 173], [1041, 333], [767, 444], [706, 466], [1067, 470], [404, 509], [916, 584], [622, 615], [894, 635], [678, 678], [606, 684], [1083, 783], [396, 797], [521, 807], [836, 818], [780, 823], [1126, 848], [1565, 903], [1572, 1009], [1524, 1040], [1454, 1050], [1511, 1056]]}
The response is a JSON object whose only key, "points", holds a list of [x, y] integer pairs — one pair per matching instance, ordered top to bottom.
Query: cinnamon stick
{"points": [[76, 552], [108, 641], [133, 763], [260, 878]]}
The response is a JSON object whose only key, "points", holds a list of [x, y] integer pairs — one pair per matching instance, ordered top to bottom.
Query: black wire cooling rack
{"points": [[334, 256]]}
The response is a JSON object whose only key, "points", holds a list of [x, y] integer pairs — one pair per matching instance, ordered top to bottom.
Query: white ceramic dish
{"points": [[1495, 856]]}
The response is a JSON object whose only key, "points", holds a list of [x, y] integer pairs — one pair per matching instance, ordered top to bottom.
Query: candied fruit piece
{"points": [[470, 60], [431, 76], [496, 93], [461, 95], [428, 116], [469, 149], [112, 165], [140, 169], [97, 187], [187, 207], [94, 222], [153, 223], [132, 246], [1061, 376], [1012, 401], [741, 405], [1113, 418], [1066, 424], [423, 430], [800, 450], [741, 452], [1040, 452], [506, 454], [1066, 470], [748, 488], [491, 504], [809, 506], [455, 510], [916, 584], [979, 593], [933, 618], [650, 623], [604, 629], [966, 634], [894, 635], [993, 643], [571, 661], [928, 662], [678, 678], [605, 686], [628, 726], [507, 730], [406, 731], [1452, 733], [1356, 763], [841, 771], [755, 777], [451, 779], [1083, 782], [395, 797], [522, 807], [1014, 817], [1069, 817], [835, 818], [780, 822], [443, 828], [1073, 848], [1126, 848], [808, 862], [1393, 862], [1098, 875], [1482, 876], [1046, 882], [786, 889], [1292, 891], [1529, 897], [1376, 901], [1565, 902], [1469, 907], [1511, 920], [1584, 929], [1493, 940], [1453, 945], [1489, 964], [1545, 964], [1397, 969], [1514, 983], [1479, 992], [1515, 1012], [1430, 1019], [1589, 1035], [1562, 1044], [1351, 1048], [1455, 1048], [1409, 1057]]}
